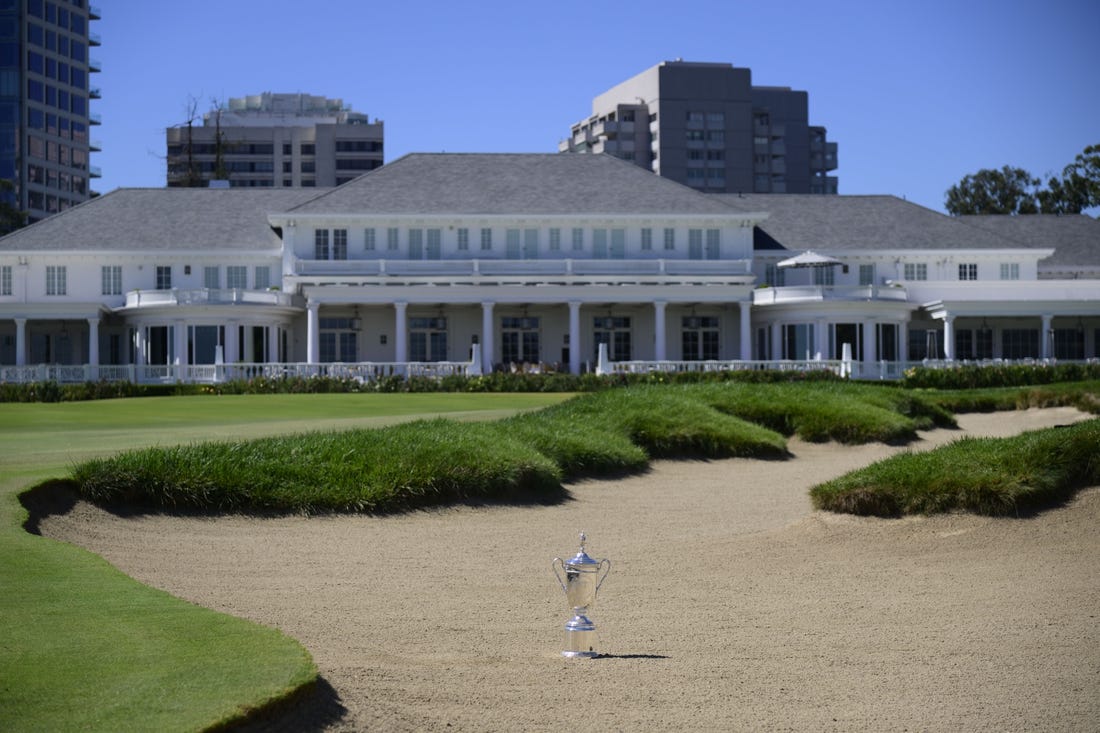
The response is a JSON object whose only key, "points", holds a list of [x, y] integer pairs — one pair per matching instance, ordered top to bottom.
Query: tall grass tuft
{"points": [[415, 464], [992, 476]]}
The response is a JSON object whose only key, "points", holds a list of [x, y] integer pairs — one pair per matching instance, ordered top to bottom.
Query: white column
{"points": [[659, 330], [746, 330], [313, 332], [400, 335], [140, 337], [574, 337], [949, 337], [1046, 338], [180, 339], [821, 339], [20, 341], [777, 341], [903, 341], [869, 342], [272, 344], [487, 345], [93, 347], [232, 350]]}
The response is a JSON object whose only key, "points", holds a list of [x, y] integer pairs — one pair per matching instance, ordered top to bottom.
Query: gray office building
{"points": [[45, 101], [705, 125], [275, 141]]}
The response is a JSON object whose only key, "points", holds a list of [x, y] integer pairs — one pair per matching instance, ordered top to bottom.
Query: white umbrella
{"points": [[809, 258]]}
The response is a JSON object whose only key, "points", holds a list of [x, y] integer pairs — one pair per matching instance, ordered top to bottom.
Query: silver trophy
{"points": [[582, 583]]}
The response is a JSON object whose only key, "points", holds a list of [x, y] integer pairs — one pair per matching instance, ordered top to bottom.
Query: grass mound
{"points": [[844, 412], [523, 458], [400, 467], [992, 476]]}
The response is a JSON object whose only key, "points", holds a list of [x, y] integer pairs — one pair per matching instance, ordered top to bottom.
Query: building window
{"points": [[694, 136], [368, 239], [391, 239], [463, 239], [486, 239], [555, 239], [578, 239], [647, 239], [670, 239], [599, 243], [320, 244], [339, 244], [416, 244], [435, 244], [511, 244], [530, 244], [695, 244], [714, 244], [916, 271], [1010, 271], [968, 272], [866, 274], [111, 276], [775, 276], [824, 276], [164, 277], [236, 277], [262, 277], [211, 278], [5, 280], [56, 280], [615, 332], [699, 338], [428, 339], [338, 340], [519, 340], [1020, 343], [1069, 343]]}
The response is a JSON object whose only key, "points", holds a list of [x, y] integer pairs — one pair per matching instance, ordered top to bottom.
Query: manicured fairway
{"points": [[87, 648]]}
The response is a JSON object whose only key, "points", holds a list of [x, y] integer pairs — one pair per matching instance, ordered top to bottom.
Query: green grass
{"points": [[1085, 396], [523, 458], [1003, 476], [87, 648]]}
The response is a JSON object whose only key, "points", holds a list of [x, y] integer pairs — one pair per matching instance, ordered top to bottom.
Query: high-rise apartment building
{"points": [[45, 100], [707, 126], [275, 140]]}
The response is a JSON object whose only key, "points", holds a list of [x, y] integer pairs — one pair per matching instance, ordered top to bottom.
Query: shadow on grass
{"points": [[56, 497], [49, 498], [313, 707]]}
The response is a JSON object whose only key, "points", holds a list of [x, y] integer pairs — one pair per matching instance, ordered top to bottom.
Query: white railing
{"points": [[535, 267], [796, 293], [206, 296], [372, 371]]}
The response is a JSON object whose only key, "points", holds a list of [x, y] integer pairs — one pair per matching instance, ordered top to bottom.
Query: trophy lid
{"points": [[582, 558]]}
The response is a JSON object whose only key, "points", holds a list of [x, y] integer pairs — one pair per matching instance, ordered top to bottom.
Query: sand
{"points": [[731, 604]]}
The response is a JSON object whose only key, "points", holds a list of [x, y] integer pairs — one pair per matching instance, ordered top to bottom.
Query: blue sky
{"points": [[916, 93]]}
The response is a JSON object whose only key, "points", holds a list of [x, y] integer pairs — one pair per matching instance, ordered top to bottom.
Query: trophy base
{"points": [[580, 638]]}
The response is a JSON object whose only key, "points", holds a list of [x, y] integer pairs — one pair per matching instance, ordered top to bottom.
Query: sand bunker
{"points": [[731, 604]]}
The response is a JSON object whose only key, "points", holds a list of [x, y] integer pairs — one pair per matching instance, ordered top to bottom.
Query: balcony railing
{"points": [[478, 268], [802, 293], [208, 296]]}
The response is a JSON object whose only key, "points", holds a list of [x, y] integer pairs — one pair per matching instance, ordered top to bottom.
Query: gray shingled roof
{"points": [[512, 183], [138, 219], [837, 223], [1075, 237]]}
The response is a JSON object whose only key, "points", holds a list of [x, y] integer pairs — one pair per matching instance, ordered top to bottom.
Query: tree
{"points": [[1077, 189], [1005, 191], [1015, 191], [11, 218]]}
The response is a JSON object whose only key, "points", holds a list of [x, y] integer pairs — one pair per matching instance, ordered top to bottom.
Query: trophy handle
{"points": [[554, 566], [605, 573]]}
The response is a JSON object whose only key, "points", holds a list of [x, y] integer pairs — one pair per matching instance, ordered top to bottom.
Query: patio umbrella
{"points": [[809, 258]]}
